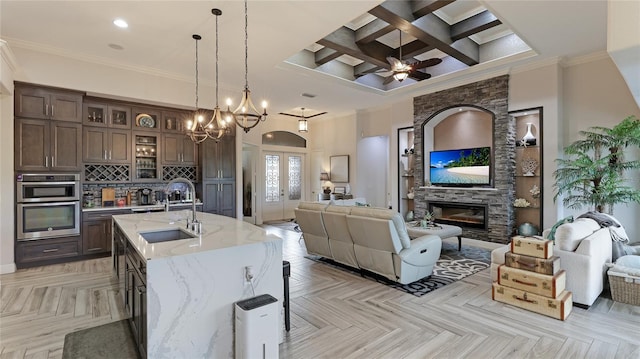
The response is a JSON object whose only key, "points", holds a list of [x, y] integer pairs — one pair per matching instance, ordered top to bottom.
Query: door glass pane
{"points": [[295, 164], [272, 178]]}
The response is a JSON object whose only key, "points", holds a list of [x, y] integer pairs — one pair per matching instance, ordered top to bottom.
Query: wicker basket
{"points": [[624, 288]]}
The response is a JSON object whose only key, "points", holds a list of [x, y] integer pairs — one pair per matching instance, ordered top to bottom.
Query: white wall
{"points": [[595, 94], [333, 137], [373, 169], [7, 183]]}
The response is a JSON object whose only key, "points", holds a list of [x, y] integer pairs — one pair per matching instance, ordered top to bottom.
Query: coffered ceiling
{"points": [[433, 37], [328, 49]]}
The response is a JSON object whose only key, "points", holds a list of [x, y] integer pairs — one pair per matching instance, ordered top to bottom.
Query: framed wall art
{"points": [[339, 168]]}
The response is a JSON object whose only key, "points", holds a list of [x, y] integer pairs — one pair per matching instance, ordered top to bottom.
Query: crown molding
{"points": [[7, 55], [579, 60], [536, 65]]}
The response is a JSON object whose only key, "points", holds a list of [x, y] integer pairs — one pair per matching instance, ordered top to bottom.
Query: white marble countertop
{"points": [[141, 208], [218, 232]]}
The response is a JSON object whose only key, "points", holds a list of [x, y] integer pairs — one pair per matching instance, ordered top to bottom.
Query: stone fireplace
{"points": [[490, 96]]}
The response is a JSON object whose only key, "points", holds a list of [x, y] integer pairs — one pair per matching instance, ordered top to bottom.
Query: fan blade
{"points": [[395, 63], [427, 63], [384, 73], [419, 75], [388, 80]]}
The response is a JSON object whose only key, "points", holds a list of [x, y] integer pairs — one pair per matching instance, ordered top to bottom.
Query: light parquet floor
{"points": [[334, 314]]}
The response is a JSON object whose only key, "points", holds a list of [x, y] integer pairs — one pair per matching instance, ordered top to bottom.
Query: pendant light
{"points": [[246, 115], [218, 124], [303, 125], [196, 128]]}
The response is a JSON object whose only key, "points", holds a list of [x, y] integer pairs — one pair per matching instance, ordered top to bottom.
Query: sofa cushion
{"points": [[314, 206], [384, 213], [569, 235]]}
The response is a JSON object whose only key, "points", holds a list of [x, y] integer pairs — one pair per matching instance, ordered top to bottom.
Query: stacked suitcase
{"points": [[531, 279]]}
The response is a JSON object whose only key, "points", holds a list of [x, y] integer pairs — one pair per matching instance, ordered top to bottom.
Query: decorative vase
{"points": [[529, 138], [529, 166], [409, 216], [527, 229]]}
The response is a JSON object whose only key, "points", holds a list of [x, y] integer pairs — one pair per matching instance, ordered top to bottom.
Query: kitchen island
{"points": [[186, 308]]}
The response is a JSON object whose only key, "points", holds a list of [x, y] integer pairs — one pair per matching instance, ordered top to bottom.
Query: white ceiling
{"points": [[159, 39]]}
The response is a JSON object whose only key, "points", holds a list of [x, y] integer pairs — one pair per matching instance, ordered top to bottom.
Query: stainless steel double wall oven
{"points": [[48, 206]]}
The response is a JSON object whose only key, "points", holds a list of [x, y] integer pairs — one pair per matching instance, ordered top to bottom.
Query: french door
{"points": [[282, 185]]}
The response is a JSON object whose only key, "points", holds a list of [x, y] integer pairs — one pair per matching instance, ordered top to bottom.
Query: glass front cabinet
{"points": [[146, 159]]}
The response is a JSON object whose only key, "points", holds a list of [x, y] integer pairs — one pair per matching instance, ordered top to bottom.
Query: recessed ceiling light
{"points": [[120, 23]]}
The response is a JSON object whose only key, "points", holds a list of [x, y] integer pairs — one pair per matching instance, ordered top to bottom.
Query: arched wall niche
{"points": [[490, 96], [457, 127]]}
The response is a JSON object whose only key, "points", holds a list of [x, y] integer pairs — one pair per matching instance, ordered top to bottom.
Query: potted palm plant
{"points": [[592, 173]]}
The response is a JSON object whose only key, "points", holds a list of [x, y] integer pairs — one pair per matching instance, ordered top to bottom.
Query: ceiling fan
{"points": [[400, 70], [302, 122]]}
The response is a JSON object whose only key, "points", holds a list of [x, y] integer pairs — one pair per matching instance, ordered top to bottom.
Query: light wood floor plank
{"points": [[334, 314]]}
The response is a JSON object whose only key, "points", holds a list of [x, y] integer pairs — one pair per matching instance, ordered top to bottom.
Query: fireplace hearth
{"points": [[466, 215]]}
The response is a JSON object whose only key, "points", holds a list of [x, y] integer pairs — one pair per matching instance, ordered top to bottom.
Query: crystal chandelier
{"points": [[246, 115]]}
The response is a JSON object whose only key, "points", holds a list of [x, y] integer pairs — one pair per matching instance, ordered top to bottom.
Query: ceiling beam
{"points": [[423, 7], [473, 25], [428, 29], [372, 31], [343, 40], [325, 55]]}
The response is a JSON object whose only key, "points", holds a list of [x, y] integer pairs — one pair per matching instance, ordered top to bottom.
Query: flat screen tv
{"points": [[467, 167]]}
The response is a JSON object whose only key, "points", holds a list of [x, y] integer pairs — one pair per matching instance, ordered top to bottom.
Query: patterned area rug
{"points": [[450, 267]]}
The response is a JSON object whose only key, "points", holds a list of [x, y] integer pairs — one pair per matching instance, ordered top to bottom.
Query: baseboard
{"points": [[7, 268]]}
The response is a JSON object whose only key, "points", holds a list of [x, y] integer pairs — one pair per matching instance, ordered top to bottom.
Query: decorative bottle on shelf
{"points": [[528, 138]]}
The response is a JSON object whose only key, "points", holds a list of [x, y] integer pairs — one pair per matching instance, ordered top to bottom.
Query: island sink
{"points": [[166, 235]]}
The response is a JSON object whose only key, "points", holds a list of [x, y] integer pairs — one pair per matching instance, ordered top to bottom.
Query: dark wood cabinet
{"points": [[46, 103], [106, 115], [146, 118], [175, 121], [44, 145], [102, 145], [178, 149], [219, 159], [218, 162], [220, 198], [96, 231], [47, 251], [135, 289]]}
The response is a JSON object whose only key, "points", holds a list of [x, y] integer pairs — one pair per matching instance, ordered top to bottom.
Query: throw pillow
{"points": [[552, 233], [569, 235]]}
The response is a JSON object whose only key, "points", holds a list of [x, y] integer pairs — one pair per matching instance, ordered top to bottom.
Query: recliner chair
{"points": [[382, 245]]}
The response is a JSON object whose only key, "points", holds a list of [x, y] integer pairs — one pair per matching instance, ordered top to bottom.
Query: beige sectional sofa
{"points": [[372, 239]]}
